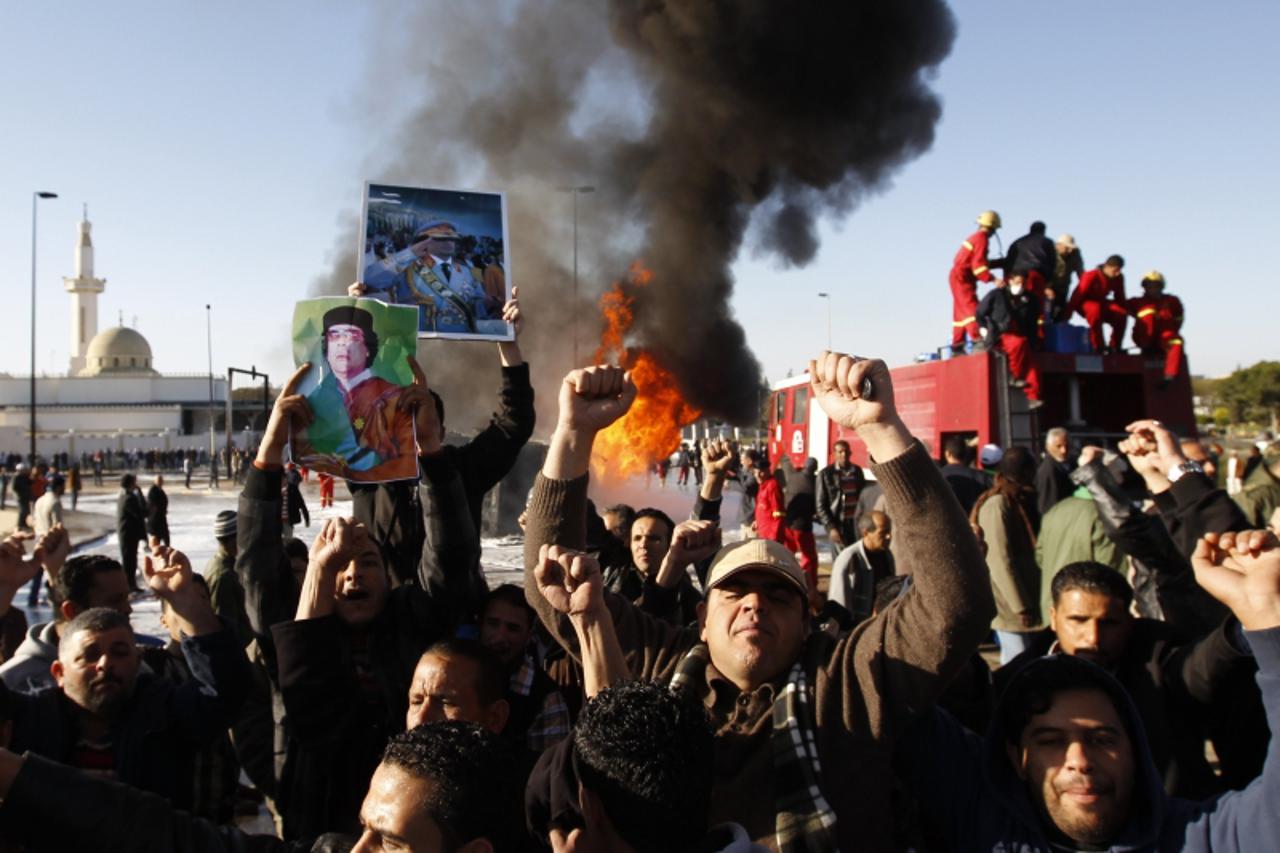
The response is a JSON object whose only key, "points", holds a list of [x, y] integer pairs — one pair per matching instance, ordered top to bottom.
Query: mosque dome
{"points": [[118, 350]]}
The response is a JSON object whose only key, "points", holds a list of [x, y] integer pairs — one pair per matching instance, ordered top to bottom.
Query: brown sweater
{"points": [[869, 685]]}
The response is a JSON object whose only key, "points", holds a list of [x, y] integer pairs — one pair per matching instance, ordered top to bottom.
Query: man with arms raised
{"points": [[805, 724], [1065, 765]]}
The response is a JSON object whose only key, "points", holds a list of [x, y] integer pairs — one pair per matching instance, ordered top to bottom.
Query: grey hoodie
{"points": [[28, 670]]}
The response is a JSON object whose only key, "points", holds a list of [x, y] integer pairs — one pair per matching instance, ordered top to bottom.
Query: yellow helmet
{"points": [[989, 219], [1154, 275]]}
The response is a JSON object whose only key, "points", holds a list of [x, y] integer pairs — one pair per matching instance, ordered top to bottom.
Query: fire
{"points": [[651, 428]]}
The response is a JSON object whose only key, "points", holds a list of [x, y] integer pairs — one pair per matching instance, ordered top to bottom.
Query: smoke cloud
{"points": [[700, 124]]}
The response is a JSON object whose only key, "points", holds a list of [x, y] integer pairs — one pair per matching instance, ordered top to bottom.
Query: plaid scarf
{"points": [[803, 820]]}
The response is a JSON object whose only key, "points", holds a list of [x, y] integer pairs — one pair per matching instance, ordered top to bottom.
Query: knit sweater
{"points": [[868, 686]]}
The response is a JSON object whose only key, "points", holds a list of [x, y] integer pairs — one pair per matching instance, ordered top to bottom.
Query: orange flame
{"points": [[651, 428]]}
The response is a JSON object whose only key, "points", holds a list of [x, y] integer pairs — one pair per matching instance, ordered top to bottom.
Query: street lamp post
{"points": [[576, 191], [35, 197], [827, 296], [213, 449]]}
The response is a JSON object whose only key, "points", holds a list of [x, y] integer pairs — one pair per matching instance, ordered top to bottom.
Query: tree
{"points": [[1253, 393]]}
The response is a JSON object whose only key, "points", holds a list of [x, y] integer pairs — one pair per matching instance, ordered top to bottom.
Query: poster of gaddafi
{"points": [[443, 252], [359, 353]]}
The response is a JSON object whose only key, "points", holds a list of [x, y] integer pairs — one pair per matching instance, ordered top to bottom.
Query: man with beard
{"points": [[110, 719], [1066, 765]]}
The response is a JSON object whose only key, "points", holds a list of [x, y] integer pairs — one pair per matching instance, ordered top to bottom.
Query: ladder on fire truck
{"points": [[1019, 425]]}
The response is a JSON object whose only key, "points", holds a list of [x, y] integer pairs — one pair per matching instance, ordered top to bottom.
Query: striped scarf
{"points": [[803, 820]]}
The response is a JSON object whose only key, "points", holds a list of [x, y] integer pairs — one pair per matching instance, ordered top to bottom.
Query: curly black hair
{"points": [[646, 753], [475, 788]]}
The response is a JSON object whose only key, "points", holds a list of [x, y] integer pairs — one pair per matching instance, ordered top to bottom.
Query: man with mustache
{"points": [[345, 662], [110, 718], [804, 723], [1065, 765]]}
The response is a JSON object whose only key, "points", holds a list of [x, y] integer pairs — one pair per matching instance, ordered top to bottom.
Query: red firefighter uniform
{"points": [[969, 267], [1091, 302], [1157, 329]]}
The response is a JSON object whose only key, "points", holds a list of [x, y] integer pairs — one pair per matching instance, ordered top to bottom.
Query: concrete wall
{"points": [[117, 390]]}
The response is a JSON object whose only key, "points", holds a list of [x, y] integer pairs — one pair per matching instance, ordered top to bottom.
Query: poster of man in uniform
{"points": [[443, 252], [363, 425]]}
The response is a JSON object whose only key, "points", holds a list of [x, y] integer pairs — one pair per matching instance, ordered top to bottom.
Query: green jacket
{"points": [[1259, 497], [1070, 532], [1011, 561]]}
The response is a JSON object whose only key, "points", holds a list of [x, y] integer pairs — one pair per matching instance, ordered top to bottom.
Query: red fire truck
{"points": [[1094, 396]]}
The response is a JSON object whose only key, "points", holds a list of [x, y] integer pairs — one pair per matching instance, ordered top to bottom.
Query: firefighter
{"points": [[970, 267], [1099, 299], [1011, 317], [1157, 324]]}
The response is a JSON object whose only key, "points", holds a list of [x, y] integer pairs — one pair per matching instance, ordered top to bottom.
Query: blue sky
{"points": [[219, 146]]}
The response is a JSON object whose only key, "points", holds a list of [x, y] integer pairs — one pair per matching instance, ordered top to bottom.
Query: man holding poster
{"points": [[362, 429]]}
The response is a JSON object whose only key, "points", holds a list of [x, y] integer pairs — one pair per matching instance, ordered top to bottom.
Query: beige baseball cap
{"points": [[1067, 240], [756, 555]]}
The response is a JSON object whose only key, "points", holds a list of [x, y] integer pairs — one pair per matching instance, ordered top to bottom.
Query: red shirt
{"points": [[971, 260], [1096, 287], [1154, 316], [769, 501]]}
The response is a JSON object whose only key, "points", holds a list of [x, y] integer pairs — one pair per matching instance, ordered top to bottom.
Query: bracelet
{"points": [[1177, 472]]}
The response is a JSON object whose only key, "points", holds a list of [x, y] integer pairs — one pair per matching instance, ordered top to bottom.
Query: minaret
{"points": [[84, 290]]}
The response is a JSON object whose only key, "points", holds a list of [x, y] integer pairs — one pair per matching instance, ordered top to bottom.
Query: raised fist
{"points": [[836, 381], [592, 398], [290, 412], [426, 421], [717, 456], [693, 541], [339, 542], [52, 550], [15, 570], [1242, 570], [168, 573], [570, 581]]}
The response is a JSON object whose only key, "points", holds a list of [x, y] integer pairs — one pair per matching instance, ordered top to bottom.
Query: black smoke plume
{"points": [[699, 123]]}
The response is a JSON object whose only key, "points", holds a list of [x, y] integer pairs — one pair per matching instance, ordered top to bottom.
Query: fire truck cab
{"points": [[1094, 396]]}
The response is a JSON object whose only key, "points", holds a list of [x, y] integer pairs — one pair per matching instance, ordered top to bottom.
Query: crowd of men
{"points": [[1036, 294], [654, 686]]}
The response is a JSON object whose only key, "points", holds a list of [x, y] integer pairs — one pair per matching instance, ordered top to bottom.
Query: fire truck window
{"points": [[779, 407], [800, 408]]}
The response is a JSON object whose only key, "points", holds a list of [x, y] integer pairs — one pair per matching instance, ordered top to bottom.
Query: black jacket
{"points": [[1032, 252], [1000, 311], [968, 484], [1053, 484], [830, 496], [391, 510], [157, 511], [131, 515], [1175, 683], [337, 727], [157, 735], [108, 815]]}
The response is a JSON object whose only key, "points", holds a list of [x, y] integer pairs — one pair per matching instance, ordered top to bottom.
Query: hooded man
{"points": [[1065, 764]]}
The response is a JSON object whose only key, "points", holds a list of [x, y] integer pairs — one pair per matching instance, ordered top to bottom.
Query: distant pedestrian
{"points": [[187, 467], [97, 468], [4, 483], [74, 484], [326, 489], [22, 492], [293, 508], [158, 511], [47, 514], [131, 526]]}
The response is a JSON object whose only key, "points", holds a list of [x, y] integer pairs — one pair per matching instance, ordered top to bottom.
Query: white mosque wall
{"points": [[111, 390]]}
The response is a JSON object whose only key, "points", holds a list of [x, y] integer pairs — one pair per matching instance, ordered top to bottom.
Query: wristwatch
{"points": [[1177, 472]]}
